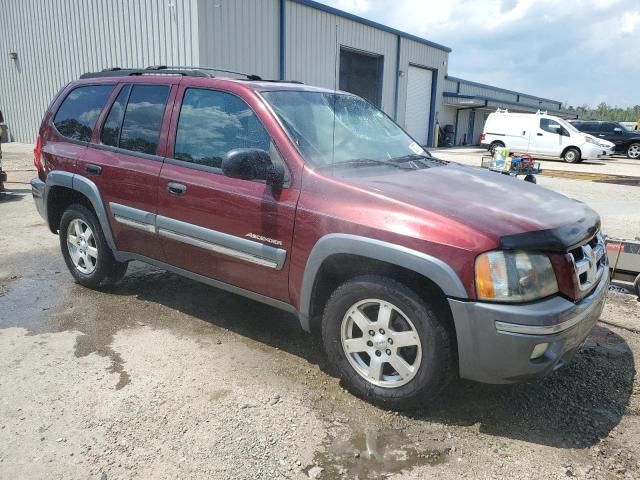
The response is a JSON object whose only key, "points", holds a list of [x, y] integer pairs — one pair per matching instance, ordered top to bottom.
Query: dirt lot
{"points": [[162, 377]]}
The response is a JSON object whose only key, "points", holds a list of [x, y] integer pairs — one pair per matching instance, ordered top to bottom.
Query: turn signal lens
{"points": [[514, 276]]}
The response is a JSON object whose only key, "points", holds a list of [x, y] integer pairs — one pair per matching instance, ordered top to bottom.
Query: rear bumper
{"points": [[38, 191], [496, 342]]}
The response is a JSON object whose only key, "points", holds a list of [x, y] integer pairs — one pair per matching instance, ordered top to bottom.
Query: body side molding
{"points": [[336, 243]]}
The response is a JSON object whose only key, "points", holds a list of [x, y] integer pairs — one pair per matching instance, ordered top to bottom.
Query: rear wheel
{"points": [[495, 145], [633, 151], [572, 155], [530, 178], [85, 250], [386, 343]]}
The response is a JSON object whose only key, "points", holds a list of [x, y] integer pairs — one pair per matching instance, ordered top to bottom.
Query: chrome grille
{"points": [[589, 262]]}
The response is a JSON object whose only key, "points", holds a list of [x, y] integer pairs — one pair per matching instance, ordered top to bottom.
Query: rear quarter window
{"points": [[77, 116]]}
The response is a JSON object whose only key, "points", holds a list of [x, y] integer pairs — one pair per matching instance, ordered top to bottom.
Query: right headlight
{"points": [[514, 276]]}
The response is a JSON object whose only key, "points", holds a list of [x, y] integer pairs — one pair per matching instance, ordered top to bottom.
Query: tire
{"points": [[494, 145], [633, 151], [572, 155], [530, 178], [92, 263], [636, 286], [430, 361]]}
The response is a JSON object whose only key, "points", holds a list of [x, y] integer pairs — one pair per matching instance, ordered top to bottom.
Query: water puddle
{"points": [[372, 454]]}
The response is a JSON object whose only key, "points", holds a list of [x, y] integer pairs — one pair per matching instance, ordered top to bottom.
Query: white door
{"points": [[419, 83], [546, 140]]}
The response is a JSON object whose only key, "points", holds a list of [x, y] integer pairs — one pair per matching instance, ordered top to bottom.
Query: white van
{"points": [[541, 135]]}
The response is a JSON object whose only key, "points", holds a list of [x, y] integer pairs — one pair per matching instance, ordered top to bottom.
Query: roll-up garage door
{"points": [[419, 84]]}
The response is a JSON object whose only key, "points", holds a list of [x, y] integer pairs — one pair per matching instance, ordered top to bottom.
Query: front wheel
{"points": [[494, 146], [633, 151], [572, 155], [85, 250], [386, 343]]}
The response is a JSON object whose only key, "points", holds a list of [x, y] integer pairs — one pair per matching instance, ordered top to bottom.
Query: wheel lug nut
{"points": [[381, 331], [372, 333], [390, 341], [370, 343], [387, 351], [378, 353]]}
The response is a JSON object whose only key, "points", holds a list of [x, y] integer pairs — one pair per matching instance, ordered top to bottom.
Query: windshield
{"points": [[568, 126], [358, 132]]}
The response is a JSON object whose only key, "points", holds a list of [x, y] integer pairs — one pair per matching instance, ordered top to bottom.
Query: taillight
{"points": [[482, 137], [37, 156]]}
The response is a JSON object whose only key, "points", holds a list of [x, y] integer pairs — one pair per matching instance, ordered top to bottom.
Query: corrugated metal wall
{"points": [[240, 35], [57, 40], [312, 48], [414, 53]]}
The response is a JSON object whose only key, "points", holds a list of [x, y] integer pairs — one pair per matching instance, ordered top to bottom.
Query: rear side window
{"points": [[78, 113], [142, 120], [211, 123], [110, 134]]}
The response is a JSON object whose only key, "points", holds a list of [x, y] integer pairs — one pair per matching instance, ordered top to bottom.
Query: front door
{"points": [[545, 139], [125, 162], [235, 231]]}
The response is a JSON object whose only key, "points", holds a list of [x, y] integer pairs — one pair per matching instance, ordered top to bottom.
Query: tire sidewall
{"points": [[576, 157], [95, 278], [428, 382]]}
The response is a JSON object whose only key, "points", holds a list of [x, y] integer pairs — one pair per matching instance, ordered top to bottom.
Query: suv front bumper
{"points": [[496, 341]]}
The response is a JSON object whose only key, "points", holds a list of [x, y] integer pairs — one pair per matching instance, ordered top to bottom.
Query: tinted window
{"points": [[79, 112], [143, 118], [211, 123], [549, 125], [589, 127], [608, 127], [110, 134]]}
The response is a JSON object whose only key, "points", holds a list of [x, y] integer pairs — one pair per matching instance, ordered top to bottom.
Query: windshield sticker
{"points": [[415, 148]]}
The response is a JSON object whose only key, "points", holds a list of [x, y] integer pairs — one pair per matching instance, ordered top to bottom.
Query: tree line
{"points": [[607, 112]]}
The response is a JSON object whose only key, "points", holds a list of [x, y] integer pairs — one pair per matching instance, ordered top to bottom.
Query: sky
{"points": [[579, 52]]}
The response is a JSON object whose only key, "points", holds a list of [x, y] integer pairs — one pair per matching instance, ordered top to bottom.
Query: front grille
{"points": [[589, 263]]}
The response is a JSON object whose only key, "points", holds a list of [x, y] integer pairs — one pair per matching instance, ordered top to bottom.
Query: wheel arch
{"points": [[569, 148], [64, 188], [337, 257]]}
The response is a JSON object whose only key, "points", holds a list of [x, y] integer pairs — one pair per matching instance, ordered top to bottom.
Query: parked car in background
{"points": [[540, 135], [626, 141], [315, 202]]}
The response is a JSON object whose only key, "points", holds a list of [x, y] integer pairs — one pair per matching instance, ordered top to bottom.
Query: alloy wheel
{"points": [[634, 151], [82, 246], [381, 343]]}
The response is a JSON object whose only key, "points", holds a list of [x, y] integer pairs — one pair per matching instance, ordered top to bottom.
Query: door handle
{"points": [[524, 132], [539, 134], [601, 134], [93, 169], [176, 188]]}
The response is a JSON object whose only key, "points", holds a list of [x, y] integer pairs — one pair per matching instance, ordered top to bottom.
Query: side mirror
{"points": [[617, 130], [252, 164]]}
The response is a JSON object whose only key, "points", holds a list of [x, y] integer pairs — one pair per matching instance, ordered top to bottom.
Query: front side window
{"points": [[77, 116], [143, 118], [211, 123], [550, 126], [609, 127], [340, 129]]}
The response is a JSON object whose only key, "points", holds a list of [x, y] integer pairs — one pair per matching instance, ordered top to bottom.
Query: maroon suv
{"points": [[414, 270]]}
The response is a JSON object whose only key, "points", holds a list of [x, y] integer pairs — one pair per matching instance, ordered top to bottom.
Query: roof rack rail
{"points": [[184, 70]]}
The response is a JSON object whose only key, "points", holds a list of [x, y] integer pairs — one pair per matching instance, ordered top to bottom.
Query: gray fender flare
{"points": [[88, 189], [431, 267]]}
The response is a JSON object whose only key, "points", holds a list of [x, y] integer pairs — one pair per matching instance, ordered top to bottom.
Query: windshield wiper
{"points": [[409, 158], [419, 161], [364, 162]]}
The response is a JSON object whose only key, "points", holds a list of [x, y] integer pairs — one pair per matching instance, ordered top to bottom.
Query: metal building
{"points": [[287, 39]]}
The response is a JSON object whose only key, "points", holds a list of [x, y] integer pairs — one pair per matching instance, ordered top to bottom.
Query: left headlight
{"points": [[514, 276]]}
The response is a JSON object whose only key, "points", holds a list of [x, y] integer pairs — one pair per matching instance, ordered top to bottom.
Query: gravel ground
{"points": [[162, 377]]}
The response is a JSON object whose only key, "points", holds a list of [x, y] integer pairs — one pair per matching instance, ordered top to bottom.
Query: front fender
{"points": [[430, 267]]}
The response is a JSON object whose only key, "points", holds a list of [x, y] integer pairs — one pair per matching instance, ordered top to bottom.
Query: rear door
{"points": [[516, 132], [125, 161], [236, 231]]}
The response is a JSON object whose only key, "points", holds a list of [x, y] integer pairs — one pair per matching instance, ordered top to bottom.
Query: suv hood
{"points": [[499, 206]]}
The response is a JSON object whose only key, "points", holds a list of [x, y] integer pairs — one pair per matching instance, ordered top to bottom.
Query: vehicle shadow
{"points": [[12, 195], [572, 408]]}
